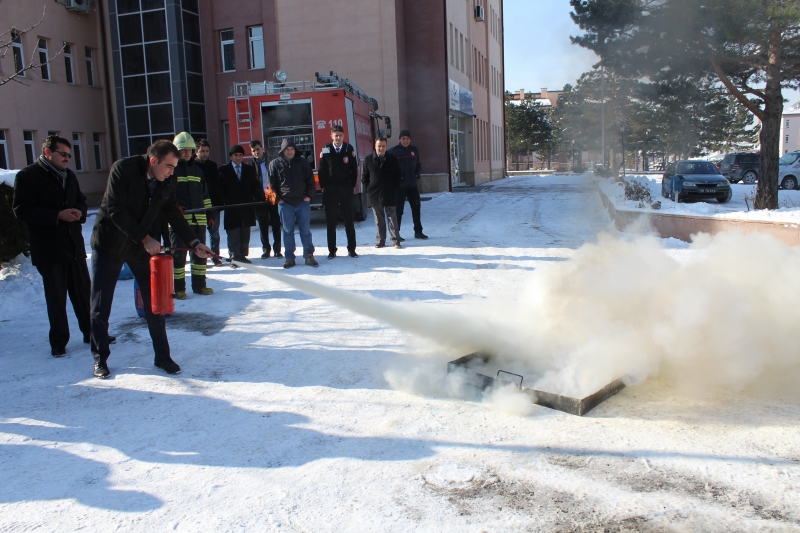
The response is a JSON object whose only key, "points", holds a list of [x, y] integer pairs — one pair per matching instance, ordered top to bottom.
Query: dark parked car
{"points": [[740, 167], [695, 180]]}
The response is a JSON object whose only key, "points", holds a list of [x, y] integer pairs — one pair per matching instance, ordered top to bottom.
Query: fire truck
{"points": [[306, 111]]}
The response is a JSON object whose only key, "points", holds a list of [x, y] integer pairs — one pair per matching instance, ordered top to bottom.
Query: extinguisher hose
{"points": [[168, 249]]}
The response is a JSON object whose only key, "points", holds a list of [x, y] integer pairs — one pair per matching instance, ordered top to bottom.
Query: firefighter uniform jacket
{"points": [[338, 168], [192, 191], [128, 212]]}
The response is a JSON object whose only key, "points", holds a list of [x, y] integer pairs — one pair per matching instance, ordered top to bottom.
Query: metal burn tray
{"points": [[567, 404]]}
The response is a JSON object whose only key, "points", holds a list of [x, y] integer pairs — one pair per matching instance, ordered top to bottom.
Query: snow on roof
{"points": [[7, 176]]}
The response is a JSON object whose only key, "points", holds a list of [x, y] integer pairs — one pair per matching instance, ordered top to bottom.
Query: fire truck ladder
{"points": [[244, 115]]}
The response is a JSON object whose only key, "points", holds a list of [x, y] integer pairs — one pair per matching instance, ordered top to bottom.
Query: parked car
{"points": [[740, 167], [789, 171], [695, 180]]}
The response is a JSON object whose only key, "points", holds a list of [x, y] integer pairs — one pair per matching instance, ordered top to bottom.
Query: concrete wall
{"points": [[41, 106]]}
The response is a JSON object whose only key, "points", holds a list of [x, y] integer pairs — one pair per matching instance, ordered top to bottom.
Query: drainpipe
{"points": [[107, 63]]}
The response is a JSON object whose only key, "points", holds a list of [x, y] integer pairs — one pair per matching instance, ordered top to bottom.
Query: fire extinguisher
{"points": [[162, 284]]}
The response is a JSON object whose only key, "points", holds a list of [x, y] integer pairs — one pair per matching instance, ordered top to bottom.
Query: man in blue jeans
{"points": [[292, 179]]}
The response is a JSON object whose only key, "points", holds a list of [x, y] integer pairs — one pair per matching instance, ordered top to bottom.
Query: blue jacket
{"points": [[410, 165]]}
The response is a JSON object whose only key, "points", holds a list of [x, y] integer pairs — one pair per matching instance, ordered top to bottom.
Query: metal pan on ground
{"points": [[567, 404]]}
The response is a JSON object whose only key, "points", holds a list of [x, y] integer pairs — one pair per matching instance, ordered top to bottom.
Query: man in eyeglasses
{"points": [[48, 198]]}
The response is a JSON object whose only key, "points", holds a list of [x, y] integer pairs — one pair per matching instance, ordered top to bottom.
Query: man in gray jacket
{"points": [[292, 179]]}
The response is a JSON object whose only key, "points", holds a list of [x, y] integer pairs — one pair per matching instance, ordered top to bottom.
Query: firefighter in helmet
{"points": [[192, 193]]}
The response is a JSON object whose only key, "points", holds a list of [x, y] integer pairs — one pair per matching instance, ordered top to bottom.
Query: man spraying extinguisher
{"points": [[192, 193], [139, 197]]}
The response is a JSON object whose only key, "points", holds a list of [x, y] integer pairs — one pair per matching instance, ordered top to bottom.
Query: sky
{"points": [[539, 53]]}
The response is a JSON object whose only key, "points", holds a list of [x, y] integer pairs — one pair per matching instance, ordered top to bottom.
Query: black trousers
{"points": [[412, 194], [336, 197], [269, 217], [238, 241], [198, 265], [105, 271], [59, 280]]}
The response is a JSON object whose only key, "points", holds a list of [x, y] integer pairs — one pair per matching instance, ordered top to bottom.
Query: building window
{"points": [[256, 35], [16, 43], [450, 48], [228, 57], [43, 60], [68, 64], [89, 68], [27, 137], [787, 138], [3, 151], [98, 152], [77, 156]]}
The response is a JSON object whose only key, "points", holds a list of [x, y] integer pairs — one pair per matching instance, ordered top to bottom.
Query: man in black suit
{"points": [[381, 177], [239, 186], [48, 198], [139, 199]]}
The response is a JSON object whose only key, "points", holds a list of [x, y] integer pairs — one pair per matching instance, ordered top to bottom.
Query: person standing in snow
{"points": [[408, 156], [211, 175], [338, 175], [380, 177], [292, 179], [239, 186], [191, 193], [139, 197], [48, 199], [267, 215]]}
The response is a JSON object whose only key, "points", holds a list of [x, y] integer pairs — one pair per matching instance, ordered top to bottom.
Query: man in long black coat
{"points": [[381, 177], [239, 186], [48, 198], [139, 198]]}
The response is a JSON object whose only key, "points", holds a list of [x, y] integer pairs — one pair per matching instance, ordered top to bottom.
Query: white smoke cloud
{"points": [[620, 308]]}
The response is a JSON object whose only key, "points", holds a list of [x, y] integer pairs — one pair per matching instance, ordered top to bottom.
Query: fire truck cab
{"points": [[306, 111]]}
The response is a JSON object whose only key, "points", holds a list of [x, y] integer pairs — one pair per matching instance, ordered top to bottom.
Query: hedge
{"points": [[13, 233]]}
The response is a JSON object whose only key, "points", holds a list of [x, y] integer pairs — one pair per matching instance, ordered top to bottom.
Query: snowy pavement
{"points": [[291, 415]]}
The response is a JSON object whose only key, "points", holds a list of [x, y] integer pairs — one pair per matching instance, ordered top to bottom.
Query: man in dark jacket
{"points": [[408, 157], [338, 172], [211, 175], [380, 177], [292, 179], [239, 186], [191, 193], [139, 197], [48, 198], [266, 215]]}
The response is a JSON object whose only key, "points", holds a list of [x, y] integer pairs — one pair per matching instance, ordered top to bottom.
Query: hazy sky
{"points": [[539, 53]]}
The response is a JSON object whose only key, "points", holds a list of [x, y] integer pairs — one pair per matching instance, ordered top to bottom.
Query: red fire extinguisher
{"points": [[162, 284]]}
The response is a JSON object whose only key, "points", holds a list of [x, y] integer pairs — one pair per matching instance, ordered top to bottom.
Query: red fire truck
{"points": [[305, 111]]}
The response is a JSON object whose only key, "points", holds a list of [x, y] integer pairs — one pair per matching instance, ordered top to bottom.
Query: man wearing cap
{"points": [[408, 157], [338, 172], [292, 179], [239, 186], [191, 193]]}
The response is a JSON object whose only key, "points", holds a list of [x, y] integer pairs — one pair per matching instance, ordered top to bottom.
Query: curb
{"points": [[684, 226]]}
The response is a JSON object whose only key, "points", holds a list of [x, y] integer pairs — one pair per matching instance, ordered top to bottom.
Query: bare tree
{"points": [[7, 40]]}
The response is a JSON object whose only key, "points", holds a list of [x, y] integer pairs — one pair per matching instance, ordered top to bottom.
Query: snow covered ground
{"points": [[7, 176], [737, 208], [284, 420]]}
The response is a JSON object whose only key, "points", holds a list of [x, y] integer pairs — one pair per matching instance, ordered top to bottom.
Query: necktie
{"points": [[238, 172]]}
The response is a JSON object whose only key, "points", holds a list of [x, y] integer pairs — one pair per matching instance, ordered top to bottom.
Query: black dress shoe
{"points": [[420, 235], [401, 239], [379, 245], [352, 253], [265, 255], [278, 255], [332, 255], [242, 259], [216, 261], [58, 352], [168, 365], [101, 370]]}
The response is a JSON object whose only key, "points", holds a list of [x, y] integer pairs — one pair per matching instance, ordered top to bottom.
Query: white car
{"points": [[789, 171]]}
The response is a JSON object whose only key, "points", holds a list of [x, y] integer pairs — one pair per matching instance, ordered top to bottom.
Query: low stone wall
{"points": [[434, 183], [684, 226]]}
